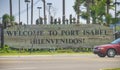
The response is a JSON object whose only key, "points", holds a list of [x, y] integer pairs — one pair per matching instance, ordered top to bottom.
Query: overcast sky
{"points": [[56, 9]]}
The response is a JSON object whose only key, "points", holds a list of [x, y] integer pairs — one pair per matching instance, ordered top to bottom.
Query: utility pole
{"points": [[10, 9], [19, 11], [31, 12], [27, 15], [63, 17]]}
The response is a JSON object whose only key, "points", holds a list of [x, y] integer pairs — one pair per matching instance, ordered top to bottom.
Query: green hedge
{"points": [[7, 49]]}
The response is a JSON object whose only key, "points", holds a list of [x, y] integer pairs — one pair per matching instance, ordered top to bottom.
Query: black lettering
{"points": [[70, 32], [86, 32], [9, 33], [15, 33], [25, 33], [30, 33], [39, 33], [54, 33]]}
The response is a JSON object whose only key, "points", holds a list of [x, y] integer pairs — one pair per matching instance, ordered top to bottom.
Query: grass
{"points": [[6, 51], [41, 53], [112, 69]]}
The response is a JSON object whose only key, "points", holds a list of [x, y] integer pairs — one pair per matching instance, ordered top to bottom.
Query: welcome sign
{"points": [[57, 36]]}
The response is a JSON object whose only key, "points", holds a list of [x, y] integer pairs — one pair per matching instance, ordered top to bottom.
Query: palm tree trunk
{"points": [[108, 6], [115, 9], [88, 11], [78, 15], [78, 19]]}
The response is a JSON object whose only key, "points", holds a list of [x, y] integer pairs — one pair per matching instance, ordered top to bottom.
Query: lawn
{"points": [[112, 69]]}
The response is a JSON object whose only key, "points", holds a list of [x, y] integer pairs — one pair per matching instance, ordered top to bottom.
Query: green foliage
{"points": [[77, 5], [96, 9], [118, 13], [85, 15], [108, 18], [8, 20], [117, 28], [5, 49], [8, 51], [64, 51], [112, 69]]}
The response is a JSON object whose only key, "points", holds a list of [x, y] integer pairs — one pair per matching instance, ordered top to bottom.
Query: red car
{"points": [[110, 50]]}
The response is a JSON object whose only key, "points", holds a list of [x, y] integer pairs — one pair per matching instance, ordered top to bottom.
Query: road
{"points": [[58, 62]]}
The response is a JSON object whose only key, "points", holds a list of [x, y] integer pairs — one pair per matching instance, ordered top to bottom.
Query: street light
{"points": [[27, 2], [116, 3], [49, 4], [39, 10], [44, 10]]}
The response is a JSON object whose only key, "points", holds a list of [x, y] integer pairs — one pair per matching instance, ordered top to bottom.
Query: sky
{"points": [[56, 9]]}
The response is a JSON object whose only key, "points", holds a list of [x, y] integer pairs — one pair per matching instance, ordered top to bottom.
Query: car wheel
{"points": [[111, 53], [101, 55]]}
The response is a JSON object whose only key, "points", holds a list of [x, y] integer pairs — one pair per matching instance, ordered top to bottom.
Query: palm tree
{"points": [[86, 3], [108, 5], [77, 9], [96, 9], [86, 15], [7, 20]]}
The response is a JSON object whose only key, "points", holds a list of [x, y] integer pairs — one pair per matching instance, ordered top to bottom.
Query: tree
{"points": [[86, 3], [77, 9], [97, 10], [86, 15], [6, 19], [39, 21]]}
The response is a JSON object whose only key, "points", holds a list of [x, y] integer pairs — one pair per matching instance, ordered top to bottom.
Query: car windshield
{"points": [[116, 41]]}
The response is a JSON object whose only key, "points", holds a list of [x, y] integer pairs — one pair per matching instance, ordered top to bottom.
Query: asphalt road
{"points": [[58, 62]]}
